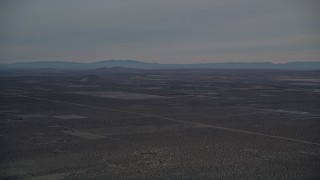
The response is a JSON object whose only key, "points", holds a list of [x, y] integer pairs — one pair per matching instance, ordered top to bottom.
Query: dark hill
{"points": [[144, 65]]}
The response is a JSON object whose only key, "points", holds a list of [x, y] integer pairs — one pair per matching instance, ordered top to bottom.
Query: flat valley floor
{"points": [[159, 124]]}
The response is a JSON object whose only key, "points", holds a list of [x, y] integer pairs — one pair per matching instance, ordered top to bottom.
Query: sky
{"points": [[162, 31]]}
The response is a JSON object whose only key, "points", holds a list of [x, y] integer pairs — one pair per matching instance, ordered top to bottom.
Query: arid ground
{"points": [[160, 124]]}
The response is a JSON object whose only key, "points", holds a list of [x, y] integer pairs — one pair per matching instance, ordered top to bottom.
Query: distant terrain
{"points": [[144, 65]]}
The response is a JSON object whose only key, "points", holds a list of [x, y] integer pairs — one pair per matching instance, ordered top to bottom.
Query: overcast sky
{"points": [[164, 31]]}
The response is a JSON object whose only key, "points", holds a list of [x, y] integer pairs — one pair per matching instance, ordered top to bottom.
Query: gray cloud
{"points": [[176, 31]]}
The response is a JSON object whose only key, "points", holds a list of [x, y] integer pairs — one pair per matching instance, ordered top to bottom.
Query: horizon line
{"points": [[67, 61]]}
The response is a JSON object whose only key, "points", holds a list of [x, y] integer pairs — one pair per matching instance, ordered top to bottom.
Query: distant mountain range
{"points": [[144, 65]]}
